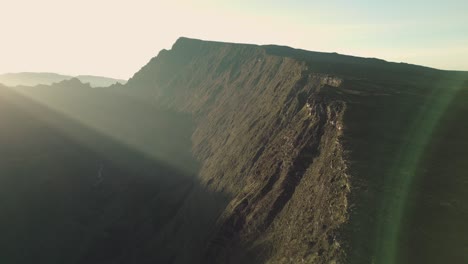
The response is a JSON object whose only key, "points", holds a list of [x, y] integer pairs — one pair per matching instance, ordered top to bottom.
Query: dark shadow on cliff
{"points": [[383, 125], [69, 194], [435, 229]]}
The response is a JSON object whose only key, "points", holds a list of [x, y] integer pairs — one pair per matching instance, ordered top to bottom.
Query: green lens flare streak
{"points": [[404, 169]]}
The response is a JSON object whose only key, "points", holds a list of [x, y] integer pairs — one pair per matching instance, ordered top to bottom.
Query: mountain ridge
{"points": [[272, 47], [209, 81], [307, 149]]}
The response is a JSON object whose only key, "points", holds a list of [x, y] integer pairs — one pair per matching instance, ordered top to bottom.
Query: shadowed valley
{"points": [[233, 153]]}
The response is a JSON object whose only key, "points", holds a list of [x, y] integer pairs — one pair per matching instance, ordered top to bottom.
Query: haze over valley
{"points": [[274, 133]]}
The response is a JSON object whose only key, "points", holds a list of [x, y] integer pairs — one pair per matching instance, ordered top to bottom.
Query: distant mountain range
{"points": [[37, 78]]}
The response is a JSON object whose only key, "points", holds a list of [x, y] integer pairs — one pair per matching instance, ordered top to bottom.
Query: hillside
{"points": [[45, 78], [247, 154]]}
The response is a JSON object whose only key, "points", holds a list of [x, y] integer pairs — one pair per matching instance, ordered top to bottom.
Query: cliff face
{"points": [[272, 126], [268, 135], [253, 154]]}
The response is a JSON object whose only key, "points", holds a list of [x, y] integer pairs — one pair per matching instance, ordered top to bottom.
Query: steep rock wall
{"points": [[268, 134]]}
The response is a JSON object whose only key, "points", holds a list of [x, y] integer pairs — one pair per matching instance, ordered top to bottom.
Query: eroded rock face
{"points": [[273, 125], [268, 135], [295, 200]]}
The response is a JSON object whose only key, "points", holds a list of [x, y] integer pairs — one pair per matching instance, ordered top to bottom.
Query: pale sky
{"points": [[115, 38]]}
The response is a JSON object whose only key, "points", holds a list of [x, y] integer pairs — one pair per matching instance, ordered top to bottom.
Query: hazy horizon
{"points": [[116, 38], [224, 153]]}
